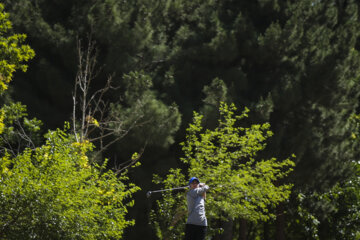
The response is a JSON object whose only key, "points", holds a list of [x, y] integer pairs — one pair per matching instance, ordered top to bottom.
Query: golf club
{"points": [[148, 194]]}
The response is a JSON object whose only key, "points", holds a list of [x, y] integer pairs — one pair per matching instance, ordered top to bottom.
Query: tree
{"points": [[121, 33], [12, 55], [293, 63], [278, 66], [92, 118], [104, 123], [242, 186], [54, 192], [327, 215]]}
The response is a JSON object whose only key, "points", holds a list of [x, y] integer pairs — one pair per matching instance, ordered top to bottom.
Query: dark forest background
{"points": [[294, 64]]}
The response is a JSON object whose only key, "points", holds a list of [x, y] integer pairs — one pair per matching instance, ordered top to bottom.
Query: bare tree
{"points": [[91, 117]]}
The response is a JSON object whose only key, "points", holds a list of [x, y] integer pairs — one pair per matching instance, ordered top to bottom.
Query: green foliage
{"points": [[12, 52], [12, 56], [287, 59], [295, 64], [216, 92], [355, 120], [157, 121], [2, 125], [19, 132], [225, 158], [242, 186], [54, 192], [335, 216], [168, 217], [344, 219], [303, 223]]}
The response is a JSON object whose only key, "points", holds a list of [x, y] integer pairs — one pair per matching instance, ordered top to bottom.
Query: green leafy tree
{"points": [[121, 31], [13, 53], [295, 64], [279, 67], [141, 106], [104, 123], [242, 186], [54, 192], [336, 212], [335, 215], [168, 217]]}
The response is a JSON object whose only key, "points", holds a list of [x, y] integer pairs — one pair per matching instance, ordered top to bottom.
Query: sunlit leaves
{"points": [[12, 53], [2, 115], [241, 185], [55, 192], [168, 218]]}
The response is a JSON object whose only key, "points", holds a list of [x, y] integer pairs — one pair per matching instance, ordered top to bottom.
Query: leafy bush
{"points": [[242, 186], [54, 192]]}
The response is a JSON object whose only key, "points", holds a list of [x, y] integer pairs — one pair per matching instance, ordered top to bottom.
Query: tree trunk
{"points": [[280, 222], [217, 225], [243, 229], [228, 230], [266, 231]]}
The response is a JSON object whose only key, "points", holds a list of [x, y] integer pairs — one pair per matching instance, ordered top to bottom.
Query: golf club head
{"points": [[148, 194]]}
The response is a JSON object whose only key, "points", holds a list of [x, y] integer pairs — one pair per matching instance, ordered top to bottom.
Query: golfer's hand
{"points": [[201, 184]]}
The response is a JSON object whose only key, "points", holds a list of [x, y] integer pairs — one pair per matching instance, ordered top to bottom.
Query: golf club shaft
{"points": [[169, 189]]}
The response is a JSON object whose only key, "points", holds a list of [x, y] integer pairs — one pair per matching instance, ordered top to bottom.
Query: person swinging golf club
{"points": [[196, 224]]}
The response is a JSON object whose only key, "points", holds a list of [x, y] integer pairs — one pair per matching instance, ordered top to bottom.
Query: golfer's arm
{"points": [[202, 189]]}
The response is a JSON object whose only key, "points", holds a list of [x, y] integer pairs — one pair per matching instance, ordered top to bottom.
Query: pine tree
{"points": [[294, 62]]}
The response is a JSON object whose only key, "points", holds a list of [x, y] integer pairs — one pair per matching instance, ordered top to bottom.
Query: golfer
{"points": [[196, 223]]}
